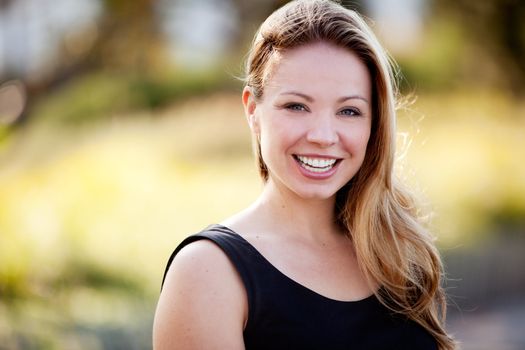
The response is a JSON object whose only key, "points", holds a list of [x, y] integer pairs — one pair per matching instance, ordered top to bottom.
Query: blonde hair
{"points": [[394, 249]]}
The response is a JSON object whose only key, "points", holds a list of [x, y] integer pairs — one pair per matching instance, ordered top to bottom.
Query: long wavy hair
{"points": [[393, 248]]}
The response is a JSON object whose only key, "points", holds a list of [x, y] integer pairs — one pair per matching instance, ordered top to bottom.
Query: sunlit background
{"points": [[121, 132]]}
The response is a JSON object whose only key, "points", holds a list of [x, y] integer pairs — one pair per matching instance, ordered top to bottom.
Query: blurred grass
{"points": [[89, 214]]}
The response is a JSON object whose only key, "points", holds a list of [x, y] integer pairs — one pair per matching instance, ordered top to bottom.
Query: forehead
{"points": [[318, 67]]}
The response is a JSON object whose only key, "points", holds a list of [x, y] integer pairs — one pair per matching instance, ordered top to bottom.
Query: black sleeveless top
{"points": [[283, 314]]}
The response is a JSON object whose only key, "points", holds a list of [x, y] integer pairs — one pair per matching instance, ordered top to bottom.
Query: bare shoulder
{"points": [[203, 303]]}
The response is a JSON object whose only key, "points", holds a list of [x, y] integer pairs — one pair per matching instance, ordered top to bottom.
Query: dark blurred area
{"points": [[159, 49], [118, 118]]}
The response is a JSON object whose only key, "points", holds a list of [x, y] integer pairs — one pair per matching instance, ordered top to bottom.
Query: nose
{"points": [[322, 131]]}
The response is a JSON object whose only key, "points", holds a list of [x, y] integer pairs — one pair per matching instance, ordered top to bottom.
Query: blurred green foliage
{"points": [[437, 64], [97, 95]]}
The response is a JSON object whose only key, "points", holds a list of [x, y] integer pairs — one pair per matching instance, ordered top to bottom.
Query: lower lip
{"points": [[316, 176]]}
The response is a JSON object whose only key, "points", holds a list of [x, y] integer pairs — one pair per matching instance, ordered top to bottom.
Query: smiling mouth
{"points": [[316, 165]]}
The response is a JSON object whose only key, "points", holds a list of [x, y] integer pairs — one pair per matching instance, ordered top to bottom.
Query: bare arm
{"points": [[203, 303]]}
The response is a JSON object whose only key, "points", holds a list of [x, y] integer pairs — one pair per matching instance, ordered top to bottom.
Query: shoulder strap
{"points": [[246, 259]]}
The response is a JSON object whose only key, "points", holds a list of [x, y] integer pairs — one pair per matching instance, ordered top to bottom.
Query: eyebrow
{"points": [[310, 99]]}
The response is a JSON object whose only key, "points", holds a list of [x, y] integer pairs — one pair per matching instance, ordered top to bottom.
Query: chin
{"points": [[316, 194]]}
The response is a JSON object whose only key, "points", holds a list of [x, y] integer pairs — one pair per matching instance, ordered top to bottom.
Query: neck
{"points": [[284, 211]]}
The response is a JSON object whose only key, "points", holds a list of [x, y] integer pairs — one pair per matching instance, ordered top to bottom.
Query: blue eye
{"points": [[295, 107], [350, 112]]}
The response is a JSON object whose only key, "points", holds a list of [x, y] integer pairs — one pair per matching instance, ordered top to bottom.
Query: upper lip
{"points": [[320, 156]]}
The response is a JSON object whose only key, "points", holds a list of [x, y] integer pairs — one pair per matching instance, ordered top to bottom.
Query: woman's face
{"points": [[314, 119]]}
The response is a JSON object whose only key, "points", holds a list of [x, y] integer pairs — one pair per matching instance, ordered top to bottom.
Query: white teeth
{"points": [[317, 165]]}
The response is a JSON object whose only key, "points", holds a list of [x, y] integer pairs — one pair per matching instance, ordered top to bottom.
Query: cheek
{"points": [[277, 131], [364, 138], [275, 139], [356, 140]]}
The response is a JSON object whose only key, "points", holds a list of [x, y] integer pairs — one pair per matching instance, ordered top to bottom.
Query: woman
{"points": [[331, 255]]}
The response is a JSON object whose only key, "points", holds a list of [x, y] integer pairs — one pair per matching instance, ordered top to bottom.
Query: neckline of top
{"points": [[369, 298]]}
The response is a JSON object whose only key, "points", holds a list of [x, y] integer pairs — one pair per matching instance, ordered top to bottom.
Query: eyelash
{"points": [[295, 107], [352, 112]]}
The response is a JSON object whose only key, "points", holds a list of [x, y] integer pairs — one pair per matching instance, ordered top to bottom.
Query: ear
{"points": [[250, 108]]}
